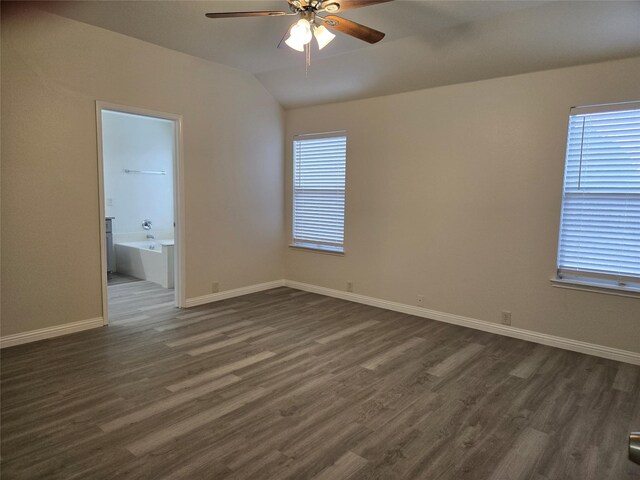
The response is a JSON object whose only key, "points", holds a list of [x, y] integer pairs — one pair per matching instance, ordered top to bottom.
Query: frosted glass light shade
{"points": [[300, 35], [323, 36], [293, 43]]}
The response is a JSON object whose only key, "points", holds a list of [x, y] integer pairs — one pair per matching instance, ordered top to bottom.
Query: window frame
{"points": [[310, 245], [614, 283]]}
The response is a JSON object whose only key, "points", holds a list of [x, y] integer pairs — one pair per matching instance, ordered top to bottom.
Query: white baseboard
{"points": [[236, 292], [50, 332], [529, 335]]}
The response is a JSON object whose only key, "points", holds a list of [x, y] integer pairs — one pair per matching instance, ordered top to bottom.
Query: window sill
{"points": [[317, 249], [595, 287]]}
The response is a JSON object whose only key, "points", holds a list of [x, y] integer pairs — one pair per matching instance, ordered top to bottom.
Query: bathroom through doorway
{"points": [[140, 211]]}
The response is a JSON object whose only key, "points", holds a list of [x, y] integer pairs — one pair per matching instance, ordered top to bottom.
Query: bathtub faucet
{"points": [[150, 237]]}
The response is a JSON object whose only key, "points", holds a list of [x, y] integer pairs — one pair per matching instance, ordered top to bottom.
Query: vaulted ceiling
{"points": [[428, 43]]}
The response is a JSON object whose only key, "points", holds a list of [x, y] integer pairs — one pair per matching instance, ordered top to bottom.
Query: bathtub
{"points": [[149, 260]]}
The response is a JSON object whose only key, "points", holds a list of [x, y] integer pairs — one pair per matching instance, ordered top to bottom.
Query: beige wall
{"points": [[53, 71], [454, 193]]}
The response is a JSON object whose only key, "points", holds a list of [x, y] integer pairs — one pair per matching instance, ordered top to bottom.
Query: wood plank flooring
{"points": [[116, 278], [286, 384]]}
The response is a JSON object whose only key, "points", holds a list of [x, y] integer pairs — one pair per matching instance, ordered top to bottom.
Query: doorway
{"points": [[139, 157]]}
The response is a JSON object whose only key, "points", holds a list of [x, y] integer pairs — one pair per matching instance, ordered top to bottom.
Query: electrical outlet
{"points": [[109, 202], [349, 286], [215, 287], [420, 300], [506, 318]]}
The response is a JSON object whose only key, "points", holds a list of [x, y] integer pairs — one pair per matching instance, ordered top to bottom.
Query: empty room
{"points": [[320, 239]]}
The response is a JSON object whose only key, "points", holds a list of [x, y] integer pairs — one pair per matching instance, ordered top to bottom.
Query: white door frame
{"points": [[178, 199]]}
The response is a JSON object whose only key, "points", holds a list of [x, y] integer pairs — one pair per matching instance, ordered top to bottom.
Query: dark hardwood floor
{"points": [[116, 278], [285, 384]]}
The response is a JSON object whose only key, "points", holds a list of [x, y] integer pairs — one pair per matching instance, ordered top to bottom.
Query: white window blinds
{"points": [[319, 167], [600, 225]]}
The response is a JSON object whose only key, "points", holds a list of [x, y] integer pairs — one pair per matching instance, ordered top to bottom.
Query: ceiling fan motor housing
{"points": [[298, 6], [332, 7]]}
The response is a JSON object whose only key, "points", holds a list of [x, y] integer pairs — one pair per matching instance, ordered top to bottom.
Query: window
{"points": [[319, 166], [599, 240]]}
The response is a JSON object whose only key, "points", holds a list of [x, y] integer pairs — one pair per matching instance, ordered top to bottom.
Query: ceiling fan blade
{"points": [[351, 4], [246, 14], [354, 29]]}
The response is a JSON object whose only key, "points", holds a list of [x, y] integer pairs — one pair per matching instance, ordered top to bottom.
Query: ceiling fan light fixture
{"points": [[300, 35], [323, 36]]}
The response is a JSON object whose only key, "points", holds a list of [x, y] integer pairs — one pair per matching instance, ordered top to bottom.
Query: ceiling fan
{"points": [[311, 23]]}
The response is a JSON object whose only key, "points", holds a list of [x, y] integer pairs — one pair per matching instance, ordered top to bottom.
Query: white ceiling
{"points": [[428, 43]]}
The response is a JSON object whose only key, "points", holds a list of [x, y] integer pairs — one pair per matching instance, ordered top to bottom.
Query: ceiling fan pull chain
{"points": [[307, 52]]}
